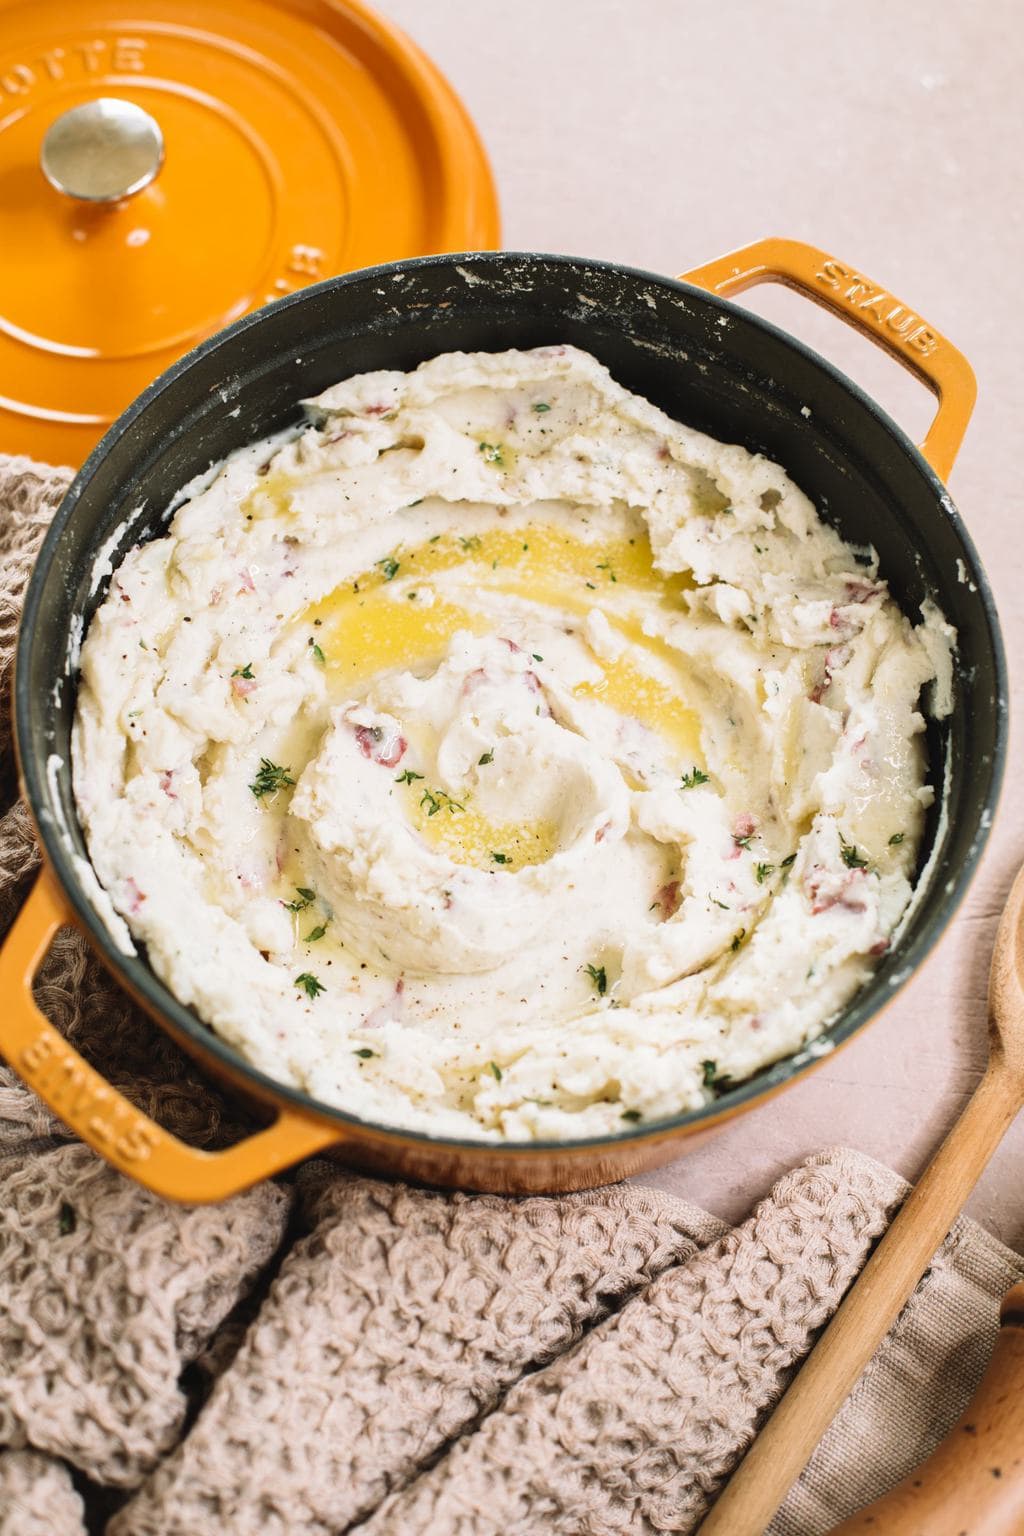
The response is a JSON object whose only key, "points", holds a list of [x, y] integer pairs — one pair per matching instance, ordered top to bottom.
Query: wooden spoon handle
{"points": [[784, 1446], [974, 1481]]}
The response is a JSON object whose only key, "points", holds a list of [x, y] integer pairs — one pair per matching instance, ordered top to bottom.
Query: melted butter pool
{"points": [[406, 609]]}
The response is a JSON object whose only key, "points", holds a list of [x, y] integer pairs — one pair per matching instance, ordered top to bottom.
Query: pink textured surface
{"points": [[662, 134]]}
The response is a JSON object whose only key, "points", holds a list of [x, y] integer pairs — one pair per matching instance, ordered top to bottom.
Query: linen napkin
{"points": [[330, 1353]]}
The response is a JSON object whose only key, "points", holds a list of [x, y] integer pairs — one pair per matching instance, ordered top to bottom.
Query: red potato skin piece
{"points": [[379, 748]]}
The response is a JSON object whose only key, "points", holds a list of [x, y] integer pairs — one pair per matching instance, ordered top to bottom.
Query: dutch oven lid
{"points": [[162, 175]]}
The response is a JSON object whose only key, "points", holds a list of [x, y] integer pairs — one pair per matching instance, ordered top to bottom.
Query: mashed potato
{"points": [[500, 758]]}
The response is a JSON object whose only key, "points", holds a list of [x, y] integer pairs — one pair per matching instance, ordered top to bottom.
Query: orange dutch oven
{"points": [[681, 344]]}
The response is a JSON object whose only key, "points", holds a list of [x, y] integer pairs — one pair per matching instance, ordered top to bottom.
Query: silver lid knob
{"points": [[102, 151]]}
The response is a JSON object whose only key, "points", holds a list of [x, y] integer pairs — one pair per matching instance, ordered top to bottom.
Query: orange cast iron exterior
{"points": [[303, 138], [139, 1147]]}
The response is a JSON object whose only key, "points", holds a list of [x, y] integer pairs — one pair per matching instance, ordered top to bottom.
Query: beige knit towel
{"points": [[330, 1353]]}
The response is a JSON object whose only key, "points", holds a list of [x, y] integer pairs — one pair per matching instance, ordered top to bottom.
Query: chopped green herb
{"points": [[540, 406], [492, 453], [435, 536], [472, 542], [603, 565], [390, 567], [590, 584], [144, 646], [317, 652], [536, 657], [246, 672], [133, 714], [488, 757], [407, 776], [695, 777], [270, 778], [439, 801], [896, 839], [743, 842], [850, 856], [501, 858], [788, 860], [762, 871], [306, 898], [720, 904], [316, 933], [737, 940], [599, 977], [309, 984], [364, 1053], [495, 1070], [710, 1070], [632, 1115], [67, 1220]]}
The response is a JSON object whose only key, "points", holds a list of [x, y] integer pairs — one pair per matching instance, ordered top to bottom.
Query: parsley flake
{"points": [[540, 406], [493, 454], [471, 542], [390, 567], [317, 652], [246, 672], [488, 757], [407, 776], [697, 776], [270, 778], [440, 800], [896, 839], [850, 856], [501, 858], [788, 860], [762, 871], [305, 896], [316, 933], [737, 940], [599, 977], [309, 984], [364, 1053], [495, 1070], [710, 1071], [632, 1115]]}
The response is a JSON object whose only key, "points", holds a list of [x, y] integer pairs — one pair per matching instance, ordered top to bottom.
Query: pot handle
{"points": [[838, 287], [101, 1116]]}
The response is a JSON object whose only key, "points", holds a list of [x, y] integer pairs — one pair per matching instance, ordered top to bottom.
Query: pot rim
{"points": [[137, 976]]}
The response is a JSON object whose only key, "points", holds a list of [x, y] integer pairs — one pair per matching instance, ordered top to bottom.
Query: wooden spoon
{"points": [[784, 1446], [973, 1483]]}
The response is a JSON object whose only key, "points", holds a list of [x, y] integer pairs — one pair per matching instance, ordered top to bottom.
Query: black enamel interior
{"points": [[701, 359]]}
